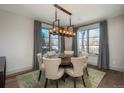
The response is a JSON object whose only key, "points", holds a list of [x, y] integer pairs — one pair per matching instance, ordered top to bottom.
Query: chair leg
{"points": [[40, 72], [87, 72], [83, 81], [74, 82], [46, 83], [56, 83]]}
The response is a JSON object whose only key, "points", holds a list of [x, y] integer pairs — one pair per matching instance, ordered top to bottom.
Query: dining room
{"points": [[70, 46]]}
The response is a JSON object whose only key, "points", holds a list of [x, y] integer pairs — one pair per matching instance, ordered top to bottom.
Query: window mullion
{"points": [[88, 40]]}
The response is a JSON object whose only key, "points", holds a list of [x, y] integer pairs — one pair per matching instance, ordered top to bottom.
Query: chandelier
{"points": [[56, 29]]}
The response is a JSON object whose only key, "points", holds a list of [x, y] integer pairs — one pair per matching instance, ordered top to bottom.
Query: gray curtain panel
{"points": [[37, 42], [62, 44], [74, 44], [103, 58]]}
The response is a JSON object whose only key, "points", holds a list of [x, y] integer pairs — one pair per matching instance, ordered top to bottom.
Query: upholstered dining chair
{"points": [[68, 52], [51, 53], [85, 55], [41, 64], [52, 70], [77, 70]]}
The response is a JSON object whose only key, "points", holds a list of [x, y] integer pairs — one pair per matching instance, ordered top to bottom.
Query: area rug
{"points": [[30, 80]]}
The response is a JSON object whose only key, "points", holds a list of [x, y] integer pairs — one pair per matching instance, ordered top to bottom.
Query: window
{"points": [[45, 40], [88, 41], [49, 42], [54, 43]]}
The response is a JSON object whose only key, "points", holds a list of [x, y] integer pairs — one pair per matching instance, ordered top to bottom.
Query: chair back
{"points": [[68, 52], [51, 53], [83, 53], [39, 58], [78, 65], [51, 67]]}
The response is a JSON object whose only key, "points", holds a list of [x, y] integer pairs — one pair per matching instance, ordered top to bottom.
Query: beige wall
{"points": [[16, 41], [116, 42]]}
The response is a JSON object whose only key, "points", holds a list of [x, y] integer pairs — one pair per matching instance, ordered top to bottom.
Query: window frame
{"points": [[49, 38], [87, 38], [51, 43]]}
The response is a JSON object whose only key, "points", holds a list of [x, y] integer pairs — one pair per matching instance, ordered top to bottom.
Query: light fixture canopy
{"points": [[56, 29]]}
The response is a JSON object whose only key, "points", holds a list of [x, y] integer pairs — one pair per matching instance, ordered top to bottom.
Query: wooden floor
{"points": [[112, 79]]}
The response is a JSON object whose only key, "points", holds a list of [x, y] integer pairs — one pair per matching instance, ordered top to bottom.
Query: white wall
{"points": [[16, 41], [116, 42]]}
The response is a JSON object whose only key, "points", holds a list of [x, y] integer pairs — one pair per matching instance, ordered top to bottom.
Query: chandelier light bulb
{"points": [[54, 29], [50, 30], [60, 31], [64, 31], [67, 32], [74, 34]]}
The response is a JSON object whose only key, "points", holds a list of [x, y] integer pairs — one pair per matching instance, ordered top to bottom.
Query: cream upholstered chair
{"points": [[68, 52], [51, 53], [85, 55], [41, 65], [52, 70], [77, 70]]}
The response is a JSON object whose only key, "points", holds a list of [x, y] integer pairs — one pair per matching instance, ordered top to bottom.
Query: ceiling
{"points": [[81, 13]]}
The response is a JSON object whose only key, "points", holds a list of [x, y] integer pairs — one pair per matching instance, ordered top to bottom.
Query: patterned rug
{"points": [[29, 80]]}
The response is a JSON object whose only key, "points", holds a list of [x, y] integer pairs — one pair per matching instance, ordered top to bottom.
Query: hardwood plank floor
{"points": [[112, 79]]}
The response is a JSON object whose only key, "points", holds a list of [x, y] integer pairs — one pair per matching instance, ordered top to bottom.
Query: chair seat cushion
{"points": [[69, 71], [60, 72]]}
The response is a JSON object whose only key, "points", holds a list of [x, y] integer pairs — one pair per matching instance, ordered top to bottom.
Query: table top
{"points": [[64, 56]]}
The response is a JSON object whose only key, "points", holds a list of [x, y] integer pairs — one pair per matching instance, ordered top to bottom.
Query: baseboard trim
{"points": [[111, 68], [117, 69], [19, 71]]}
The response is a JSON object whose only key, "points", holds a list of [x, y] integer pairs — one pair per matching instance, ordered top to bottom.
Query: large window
{"points": [[45, 40], [88, 40], [49, 42], [54, 42]]}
